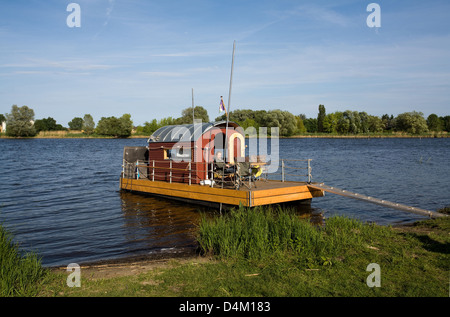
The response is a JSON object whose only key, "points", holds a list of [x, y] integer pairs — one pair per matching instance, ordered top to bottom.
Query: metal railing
{"points": [[289, 168], [152, 171], [165, 171]]}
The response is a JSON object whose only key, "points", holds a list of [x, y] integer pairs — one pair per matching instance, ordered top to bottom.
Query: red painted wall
{"points": [[201, 157]]}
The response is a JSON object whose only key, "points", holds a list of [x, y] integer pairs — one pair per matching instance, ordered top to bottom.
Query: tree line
{"points": [[20, 122], [340, 122]]}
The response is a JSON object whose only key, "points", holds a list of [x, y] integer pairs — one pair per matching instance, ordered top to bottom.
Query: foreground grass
{"points": [[273, 253], [20, 275]]}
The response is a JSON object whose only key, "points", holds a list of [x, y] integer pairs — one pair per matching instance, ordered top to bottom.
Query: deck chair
{"points": [[223, 175], [243, 175]]}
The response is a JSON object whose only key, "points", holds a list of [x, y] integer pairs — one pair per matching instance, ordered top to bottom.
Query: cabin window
{"points": [[219, 141], [167, 154], [181, 154]]}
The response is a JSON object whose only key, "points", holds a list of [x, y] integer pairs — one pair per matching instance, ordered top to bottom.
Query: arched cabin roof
{"points": [[186, 132]]}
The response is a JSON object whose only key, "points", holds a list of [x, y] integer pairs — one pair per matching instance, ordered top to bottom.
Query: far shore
{"points": [[68, 135], [370, 136]]}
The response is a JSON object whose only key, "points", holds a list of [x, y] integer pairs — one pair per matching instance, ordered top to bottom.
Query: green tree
{"points": [[199, 113], [240, 115], [320, 118], [2, 119], [283, 120], [167, 121], [20, 122], [330, 122], [355, 122], [363, 122], [388, 122], [411, 122], [76, 123], [249, 123], [434, 123], [445, 123], [48, 124], [375, 124], [41, 125], [88, 125], [126, 125], [310, 125], [343, 125], [107, 126], [300, 126], [116, 127], [150, 127]]}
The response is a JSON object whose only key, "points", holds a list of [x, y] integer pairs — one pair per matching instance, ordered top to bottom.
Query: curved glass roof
{"points": [[185, 132]]}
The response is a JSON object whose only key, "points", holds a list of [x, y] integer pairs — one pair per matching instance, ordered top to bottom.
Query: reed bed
{"points": [[263, 233], [20, 275]]}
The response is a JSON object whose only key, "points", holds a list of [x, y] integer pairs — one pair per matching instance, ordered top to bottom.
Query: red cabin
{"points": [[184, 153]]}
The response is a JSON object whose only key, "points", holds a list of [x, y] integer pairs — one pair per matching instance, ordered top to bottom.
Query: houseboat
{"points": [[206, 163]]}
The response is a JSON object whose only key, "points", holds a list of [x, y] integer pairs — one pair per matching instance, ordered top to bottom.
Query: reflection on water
{"points": [[305, 210], [156, 224]]}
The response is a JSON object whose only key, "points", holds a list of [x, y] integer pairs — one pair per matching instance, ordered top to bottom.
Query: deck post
{"points": [[282, 170], [309, 171], [153, 172], [170, 172], [189, 173], [212, 174]]}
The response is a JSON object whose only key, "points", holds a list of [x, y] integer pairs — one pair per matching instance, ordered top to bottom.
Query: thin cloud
{"points": [[109, 10], [108, 13], [321, 14], [30, 65], [164, 74]]}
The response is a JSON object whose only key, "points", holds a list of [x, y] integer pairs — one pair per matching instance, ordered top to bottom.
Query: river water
{"points": [[60, 197]]}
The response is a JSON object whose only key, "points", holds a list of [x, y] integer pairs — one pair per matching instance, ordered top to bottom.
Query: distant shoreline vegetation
{"points": [[20, 123], [82, 135]]}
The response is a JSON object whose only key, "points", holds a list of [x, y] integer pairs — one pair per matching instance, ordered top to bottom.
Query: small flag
{"points": [[222, 105]]}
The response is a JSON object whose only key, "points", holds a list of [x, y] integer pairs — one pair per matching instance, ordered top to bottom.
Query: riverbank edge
{"points": [[321, 136], [430, 235], [132, 265], [103, 270]]}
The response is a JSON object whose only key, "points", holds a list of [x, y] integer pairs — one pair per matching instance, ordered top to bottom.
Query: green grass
{"points": [[445, 210], [254, 234], [271, 253], [20, 275]]}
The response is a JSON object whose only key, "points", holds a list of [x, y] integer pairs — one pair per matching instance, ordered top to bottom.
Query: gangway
{"points": [[385, 203]]}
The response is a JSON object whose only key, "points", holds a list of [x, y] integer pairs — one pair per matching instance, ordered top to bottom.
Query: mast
{"points": [[229, 101], [228, 111], [193, 117]]}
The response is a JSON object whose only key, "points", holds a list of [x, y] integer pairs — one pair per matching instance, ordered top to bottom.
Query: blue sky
{"points": [[144, 57]]}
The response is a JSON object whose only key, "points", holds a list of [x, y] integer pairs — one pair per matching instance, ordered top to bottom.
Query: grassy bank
{"points": [[274, 253], [20, 275]]}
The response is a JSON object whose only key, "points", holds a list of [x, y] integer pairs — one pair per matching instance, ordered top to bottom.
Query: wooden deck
{"points": [[261, 193]]}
